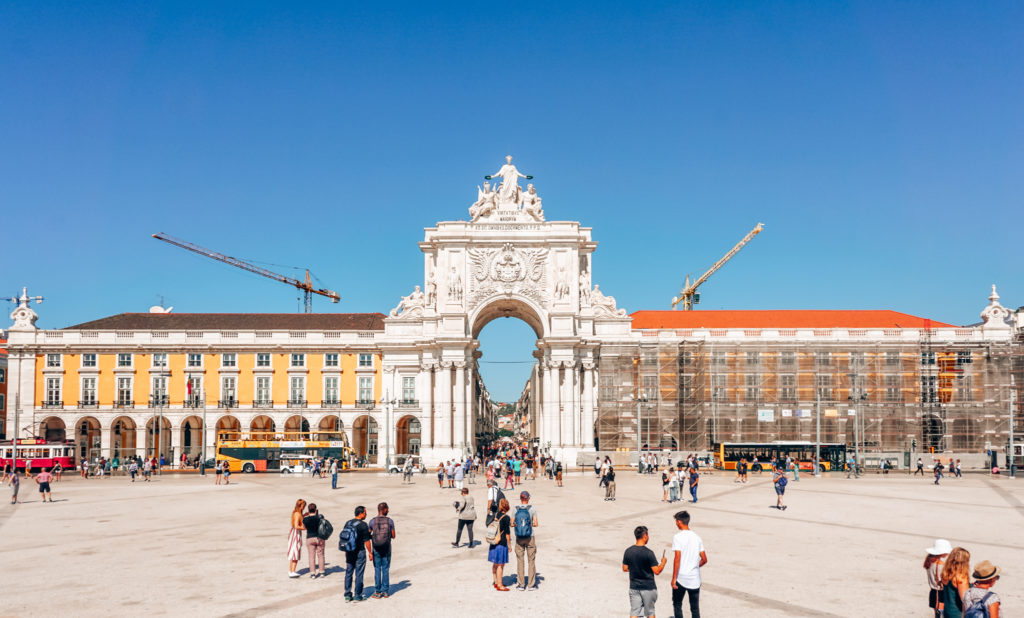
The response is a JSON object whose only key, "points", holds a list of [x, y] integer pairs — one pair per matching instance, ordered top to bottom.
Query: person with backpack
{"points": [[558, 474], [780, 481], [494, 498], [525, 521], [318, 530], [382, 531], [498, 533], [354, 540], [933, 564], [979, 600]]}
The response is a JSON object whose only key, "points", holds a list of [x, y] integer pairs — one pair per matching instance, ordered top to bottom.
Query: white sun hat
{"points": [[941, 546]]}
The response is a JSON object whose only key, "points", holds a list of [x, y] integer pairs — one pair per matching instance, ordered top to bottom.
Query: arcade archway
{"points": [[52, 429], [408, 435], [365, 438]]}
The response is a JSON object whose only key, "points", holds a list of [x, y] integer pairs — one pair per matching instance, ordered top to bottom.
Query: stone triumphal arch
{"points": [[506, 261]]}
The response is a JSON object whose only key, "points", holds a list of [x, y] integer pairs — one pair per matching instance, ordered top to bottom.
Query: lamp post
{"points": [[389, 405], [817, 437], [202, 448], [1013, 461]]}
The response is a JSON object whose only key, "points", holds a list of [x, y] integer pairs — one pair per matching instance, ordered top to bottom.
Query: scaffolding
{"points": [[887, 396]]}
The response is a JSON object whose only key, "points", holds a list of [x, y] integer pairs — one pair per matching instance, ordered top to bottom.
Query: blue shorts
{"points": [[780, 490]]}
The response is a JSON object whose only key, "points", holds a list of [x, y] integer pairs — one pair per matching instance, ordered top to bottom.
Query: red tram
{"points": [[38, 454]]}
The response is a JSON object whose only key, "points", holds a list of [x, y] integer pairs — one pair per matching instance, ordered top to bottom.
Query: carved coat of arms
{"points": [[508, 271]]}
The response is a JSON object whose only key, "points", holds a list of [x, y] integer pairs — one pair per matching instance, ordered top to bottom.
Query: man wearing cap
{"points": [[525, 521], [980, 594]]}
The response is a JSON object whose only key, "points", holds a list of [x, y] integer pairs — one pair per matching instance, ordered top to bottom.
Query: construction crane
{"points": [[306, 286], [689, 296]]}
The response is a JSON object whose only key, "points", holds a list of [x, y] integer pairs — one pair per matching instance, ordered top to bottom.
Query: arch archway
{"points": [[506, 307], [262, 424], [296, 424], [331, 427], [52, 429], [932, 430], [191, 435], [408, 435], [365, 436], [87, 437], [124, 437], [158, 438]]}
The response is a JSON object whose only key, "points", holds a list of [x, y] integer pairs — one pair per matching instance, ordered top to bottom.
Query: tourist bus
{"points": [[279, 451], [37, 453], [728, 454]]}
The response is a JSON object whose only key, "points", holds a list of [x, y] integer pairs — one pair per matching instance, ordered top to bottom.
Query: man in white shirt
{"points": [[334, 473], [689, 557]]}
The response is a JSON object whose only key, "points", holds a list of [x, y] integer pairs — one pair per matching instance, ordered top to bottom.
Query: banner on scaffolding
{"points": [[766, 416]]}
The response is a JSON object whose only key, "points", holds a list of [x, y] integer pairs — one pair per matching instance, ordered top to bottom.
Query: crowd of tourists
{"points": [[954, 589]]}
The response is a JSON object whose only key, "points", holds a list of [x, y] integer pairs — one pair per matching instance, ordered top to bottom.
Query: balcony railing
{"points": [[156, 401], [334, 401], [193, 402], [365, 402], [88, 403], [124, 403], [227, 403], [296, 403], [408, 403], [53, 404], [263, 404]]}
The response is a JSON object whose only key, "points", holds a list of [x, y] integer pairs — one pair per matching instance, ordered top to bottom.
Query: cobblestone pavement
{"points": [[185, 547]]}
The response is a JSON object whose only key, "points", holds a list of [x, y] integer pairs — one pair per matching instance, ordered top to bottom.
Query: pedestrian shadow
{"points": [[335, 568], [400, 586]]}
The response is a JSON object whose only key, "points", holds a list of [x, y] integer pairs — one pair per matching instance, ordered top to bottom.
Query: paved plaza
{"points": [[183, 546]]}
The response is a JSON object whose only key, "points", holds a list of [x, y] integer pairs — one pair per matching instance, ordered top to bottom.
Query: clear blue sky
{"points": [[882, 144]]}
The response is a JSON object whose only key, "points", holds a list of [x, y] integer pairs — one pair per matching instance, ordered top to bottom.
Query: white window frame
{"points": [[121, 356], [261, 356], [91, 357], [189, 357], [364, 357], [229, 359], [159, 360], [297, 360], [332, 360], [54, 361], [292, 381], [158, 386], [360, 388], [408, 388], [197, 389], [233, 389], [270, 389], [54, 390], [84, 390], [336, 399], [118, 400]]}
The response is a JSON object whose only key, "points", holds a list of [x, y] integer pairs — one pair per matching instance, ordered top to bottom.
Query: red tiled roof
{"points": [[789, 318], [236, 321]]}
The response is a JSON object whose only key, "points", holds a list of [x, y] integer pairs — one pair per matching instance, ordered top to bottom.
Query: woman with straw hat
{"points": [[980, 596]]}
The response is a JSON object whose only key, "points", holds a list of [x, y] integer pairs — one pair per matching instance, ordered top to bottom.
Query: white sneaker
{"points": [[293, 574]]}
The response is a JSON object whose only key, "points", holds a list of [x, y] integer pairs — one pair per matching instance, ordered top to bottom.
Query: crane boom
{"points": [[306, 286], [688, 295]]}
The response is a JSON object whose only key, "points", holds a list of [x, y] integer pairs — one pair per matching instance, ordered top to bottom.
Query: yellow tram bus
{"points": [[279, 451], [728, 454]]}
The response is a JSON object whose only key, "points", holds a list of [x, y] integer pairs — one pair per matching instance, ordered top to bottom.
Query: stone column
{"points": [[425, 390], [459, 405], [549, 406], [565, 409], [443, 420], [387, 427], [587, 431], [107, 441], [175, 452]]}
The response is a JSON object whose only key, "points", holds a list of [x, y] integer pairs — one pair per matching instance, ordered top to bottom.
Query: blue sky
{"points": [[880, 143]]}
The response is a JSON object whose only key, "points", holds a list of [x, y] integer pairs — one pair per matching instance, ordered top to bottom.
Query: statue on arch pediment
{"points": [[509, 191], [485, 204], [532, 204], [605, 304], [410, 306]]}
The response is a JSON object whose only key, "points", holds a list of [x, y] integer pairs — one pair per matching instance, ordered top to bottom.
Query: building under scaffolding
{"points": [[892, 390]]}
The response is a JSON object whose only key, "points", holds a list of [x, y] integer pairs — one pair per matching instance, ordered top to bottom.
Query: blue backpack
{"points": [[783, 480], [523, 522], [347, 538], [978, 609]]}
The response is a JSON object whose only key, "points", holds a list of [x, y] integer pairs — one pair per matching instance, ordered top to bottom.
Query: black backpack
{"points": [[499, 496], [324, 530], [347, 540]]}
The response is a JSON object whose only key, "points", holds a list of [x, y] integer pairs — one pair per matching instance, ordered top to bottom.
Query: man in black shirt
{"points": [[314, 543], [355, 561], [642, 566]]}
